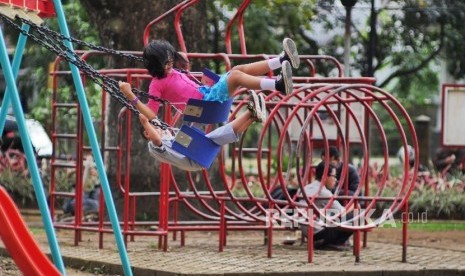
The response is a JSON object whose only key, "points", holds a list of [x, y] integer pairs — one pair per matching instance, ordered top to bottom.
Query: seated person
{"points": [[10, 137], [411, 158], [449, 160], [353, 179], [278, 193], [90, 202], [325, 236]]}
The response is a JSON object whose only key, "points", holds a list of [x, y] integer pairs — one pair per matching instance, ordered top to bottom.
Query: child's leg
{"points": [[260, 68], [246, 74], [238, 78], [283, 83], [256, 113], [241, 123], [246, 125], [230, 132]]}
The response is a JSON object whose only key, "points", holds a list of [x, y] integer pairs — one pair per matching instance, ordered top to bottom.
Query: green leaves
{"points": [[17, 183]]}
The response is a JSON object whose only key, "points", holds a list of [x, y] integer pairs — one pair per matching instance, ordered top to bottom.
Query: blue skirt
{"points": [[218, 92]]}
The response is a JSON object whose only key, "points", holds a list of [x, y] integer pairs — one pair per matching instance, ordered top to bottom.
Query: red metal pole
{"points": [[158, 19], [177, 24], [240, 26], [227, 38], [54, 140], [127, 173], [79, 188], [175, 217], [270, 229], [222, 230], [310, 231], [405, 232], [357, 246]]}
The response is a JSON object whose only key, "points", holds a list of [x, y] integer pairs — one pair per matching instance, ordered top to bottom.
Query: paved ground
{"points": [[245, 254]]}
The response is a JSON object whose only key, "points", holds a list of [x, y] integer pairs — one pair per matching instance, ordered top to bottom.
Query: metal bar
{"points": [[238, 15], [156, 20], [15, 69], [95, 147], [31, 160]]}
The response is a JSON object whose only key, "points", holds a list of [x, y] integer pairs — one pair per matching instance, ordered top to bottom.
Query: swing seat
{"points": [[211, 75], [207, 112], [192, 143]]}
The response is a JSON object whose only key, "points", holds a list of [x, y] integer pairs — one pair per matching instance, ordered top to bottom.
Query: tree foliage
{"points": [[266, 23], [410, 39], [33, 79]]}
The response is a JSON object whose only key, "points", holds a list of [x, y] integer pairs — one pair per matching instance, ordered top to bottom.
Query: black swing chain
{"points": [[61, 37], [58, 47]]}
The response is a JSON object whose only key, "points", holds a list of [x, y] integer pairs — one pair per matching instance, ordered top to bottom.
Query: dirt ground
{"points": [[454, 240], [9, 268]]}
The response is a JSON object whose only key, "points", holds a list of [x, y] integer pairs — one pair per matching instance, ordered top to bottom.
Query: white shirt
{"points": [[166, 154], [311, 190]]}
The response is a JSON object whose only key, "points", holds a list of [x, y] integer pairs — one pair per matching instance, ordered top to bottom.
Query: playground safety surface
{"points": [[245, 254]]}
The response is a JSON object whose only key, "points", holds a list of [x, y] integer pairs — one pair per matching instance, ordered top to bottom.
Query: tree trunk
{"points": [[121, 26]]}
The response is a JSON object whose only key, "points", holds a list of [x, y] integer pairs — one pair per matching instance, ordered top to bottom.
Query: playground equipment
{"points": [[49, 8], [322, 111], [347, 112], [19, 241]]}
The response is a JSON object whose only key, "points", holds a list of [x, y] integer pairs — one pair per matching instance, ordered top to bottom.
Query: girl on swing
{"points": [[176, 87], [161, 141]]}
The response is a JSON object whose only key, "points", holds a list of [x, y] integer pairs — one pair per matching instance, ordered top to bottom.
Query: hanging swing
{"points": [[189, 141], [192, 142]]}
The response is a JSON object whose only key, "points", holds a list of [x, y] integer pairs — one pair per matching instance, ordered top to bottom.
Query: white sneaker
{"points": [[290, 53], [284, 80], [262, 102], [254, 105]]}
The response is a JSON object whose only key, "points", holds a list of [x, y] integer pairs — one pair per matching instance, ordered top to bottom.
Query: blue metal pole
{"points": [[15, 67], [94, 145], [30, 157]]}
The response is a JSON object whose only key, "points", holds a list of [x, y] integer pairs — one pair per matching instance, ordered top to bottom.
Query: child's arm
{"points": [[144, 109], [150, 132]]}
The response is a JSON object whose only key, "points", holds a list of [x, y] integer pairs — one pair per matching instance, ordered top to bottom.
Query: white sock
{"points": [[274, 63], [267, 84]]}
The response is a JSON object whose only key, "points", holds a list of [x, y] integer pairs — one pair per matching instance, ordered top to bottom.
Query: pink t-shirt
{"points": [[176, 88]]}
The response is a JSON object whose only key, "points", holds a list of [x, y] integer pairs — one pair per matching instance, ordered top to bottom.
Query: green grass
{"points": [[429, 225], [437, 225], [37, 230]]}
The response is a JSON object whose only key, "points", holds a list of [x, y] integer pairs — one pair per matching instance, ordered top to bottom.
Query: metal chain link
{"points": [[61, 37], [56, 45], [145, 95]]}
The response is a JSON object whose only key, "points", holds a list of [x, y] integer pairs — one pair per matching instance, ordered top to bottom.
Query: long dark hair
{"points": [[156, 54]]}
